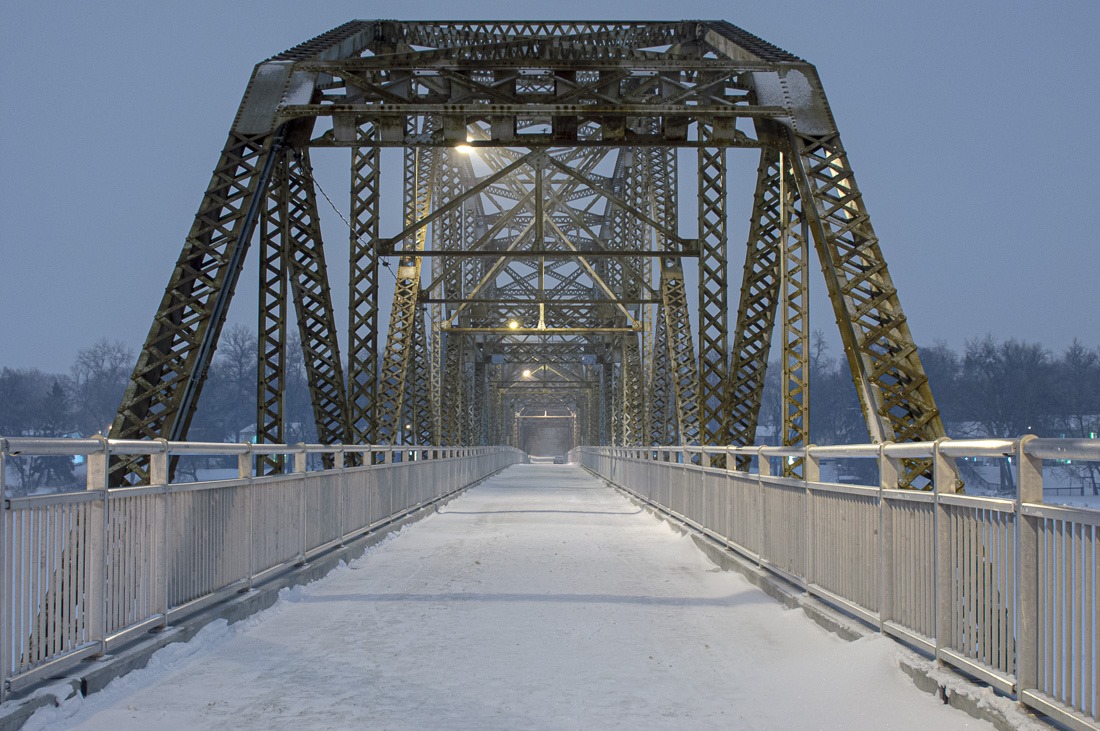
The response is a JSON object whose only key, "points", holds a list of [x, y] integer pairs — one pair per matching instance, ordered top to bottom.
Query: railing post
{"points": [[300, 457], [339, 463], [98, 467], [763, 469], [244, 472], [811, 472], [888, 473], [158, 475], [945, 481], [1029, 489], [5, 577]]}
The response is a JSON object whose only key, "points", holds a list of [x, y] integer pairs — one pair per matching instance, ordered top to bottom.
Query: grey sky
{"points": [[969, 126]]}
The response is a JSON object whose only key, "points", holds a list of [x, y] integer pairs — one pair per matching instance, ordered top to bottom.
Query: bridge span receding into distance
{"points": [[542, 282], [1000, 589]]}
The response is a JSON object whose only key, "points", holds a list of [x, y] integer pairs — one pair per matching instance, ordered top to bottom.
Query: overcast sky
{"points": [[969, 126]]}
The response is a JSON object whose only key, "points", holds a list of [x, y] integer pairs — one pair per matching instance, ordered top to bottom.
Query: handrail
{"points": [[149, 549], [975, 581]]}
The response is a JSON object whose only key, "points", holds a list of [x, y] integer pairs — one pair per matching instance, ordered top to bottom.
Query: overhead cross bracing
{"points": [[541, 225]]}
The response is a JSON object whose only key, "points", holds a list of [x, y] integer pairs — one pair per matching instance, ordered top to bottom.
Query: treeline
{"points": [[991, 389], [84, 401]]}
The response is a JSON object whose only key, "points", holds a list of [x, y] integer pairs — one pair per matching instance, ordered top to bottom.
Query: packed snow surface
{"points": [[539, 599]]}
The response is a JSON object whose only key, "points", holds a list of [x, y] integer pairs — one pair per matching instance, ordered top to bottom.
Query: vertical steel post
{"points": [[713, 288], [794, 298], [271, 340], [362, 388], [888, 471], [158, 477], [945, 482], [1029, 489], [5, 575], [96, 582]]}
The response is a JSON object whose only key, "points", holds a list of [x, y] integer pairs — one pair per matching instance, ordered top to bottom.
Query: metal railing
{"points": [[84, 572], [1004, 589]]}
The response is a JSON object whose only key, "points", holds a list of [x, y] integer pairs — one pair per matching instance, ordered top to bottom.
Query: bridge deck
{"points": [[539, 599]]}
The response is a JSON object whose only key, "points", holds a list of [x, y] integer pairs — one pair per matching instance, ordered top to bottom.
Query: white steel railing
{"points": [[84, 572], [1004, 589]]}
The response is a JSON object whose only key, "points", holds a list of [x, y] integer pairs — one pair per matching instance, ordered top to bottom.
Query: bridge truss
{"points": [[541, 261]]}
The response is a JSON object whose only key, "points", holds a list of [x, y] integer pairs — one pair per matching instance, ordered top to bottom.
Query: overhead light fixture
{"points": [[513, 324], [527, 374]]}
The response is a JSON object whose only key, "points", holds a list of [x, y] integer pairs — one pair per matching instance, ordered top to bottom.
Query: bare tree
{"points": [[97, 381], [1076, 401], [33, 403]]}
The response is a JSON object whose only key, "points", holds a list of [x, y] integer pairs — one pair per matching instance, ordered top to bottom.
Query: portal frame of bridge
{"points": [[556, 240]]}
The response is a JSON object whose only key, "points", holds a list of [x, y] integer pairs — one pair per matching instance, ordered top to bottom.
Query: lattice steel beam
{"points": [[713, 285], [363, 290], [760, 291], [274, 301], [313, 302], [794, 302], [401, 343], [171, 369], [683, 370], [418, 385], [893, 389], [633, 403], [661, 412]]}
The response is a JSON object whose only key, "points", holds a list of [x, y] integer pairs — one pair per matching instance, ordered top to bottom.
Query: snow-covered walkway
{"points": [[540, 599]]}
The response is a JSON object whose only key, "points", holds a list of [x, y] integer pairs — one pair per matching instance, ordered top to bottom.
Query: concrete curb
{"points": [[96, 674], [954, 689]]}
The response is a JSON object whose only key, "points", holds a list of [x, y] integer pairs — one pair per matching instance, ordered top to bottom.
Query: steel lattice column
{"points": [[450, 235], [713, 285], [363, 288], [760, 289], [794, 293], [274, 300], [313, 302], [401, 343], [681, 354], [171, 369], [683, 373], [893, 389], [419, 391], [476, 402], [607, 403], [633, 405], [453, 406], [661, 411], [616, 415]]}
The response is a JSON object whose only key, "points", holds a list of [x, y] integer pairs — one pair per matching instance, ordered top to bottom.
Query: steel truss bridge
{"points": [[540, 266], [540, 280]]}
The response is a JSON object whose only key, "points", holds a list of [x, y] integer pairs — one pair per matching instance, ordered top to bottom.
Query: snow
{"points": [[539, 599]]}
